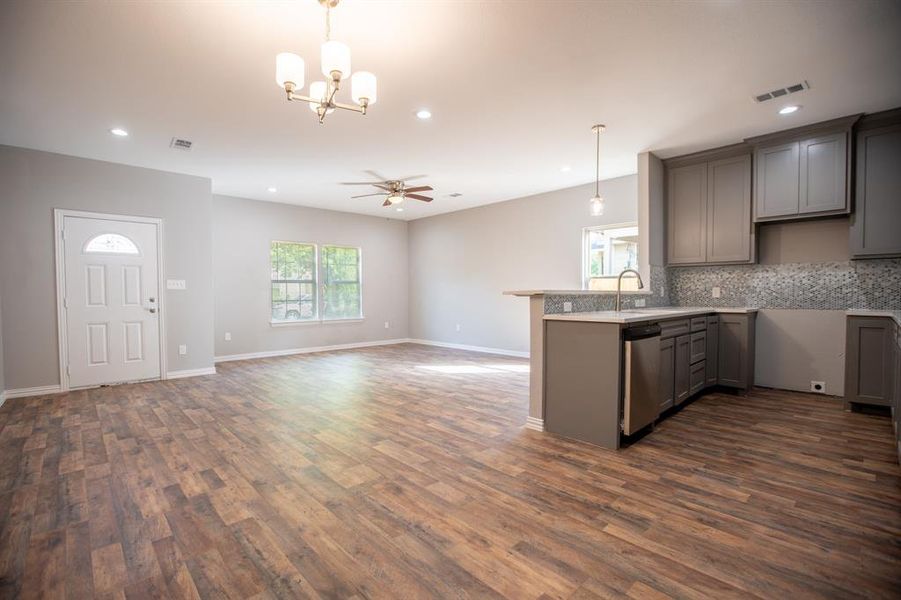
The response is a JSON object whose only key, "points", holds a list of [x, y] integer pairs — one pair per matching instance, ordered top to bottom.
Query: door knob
{"points": [[152, 299], [152, 310]]}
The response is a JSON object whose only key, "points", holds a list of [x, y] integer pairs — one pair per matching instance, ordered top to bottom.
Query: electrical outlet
{"points": [[176, 284], [662, 291], [716, 292], [639, 303], [567, 307], [387, 324], [457, 327], [228, 336], [183, 349], [818, 387]]}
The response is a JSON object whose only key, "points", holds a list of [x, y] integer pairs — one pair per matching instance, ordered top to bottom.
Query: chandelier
{"points": [[335, 61], [596, 204]]}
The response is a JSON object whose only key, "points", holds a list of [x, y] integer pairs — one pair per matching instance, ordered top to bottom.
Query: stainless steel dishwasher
{"points": [[641, 376]]}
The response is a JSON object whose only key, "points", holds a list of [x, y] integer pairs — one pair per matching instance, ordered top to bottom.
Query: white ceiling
{"points": [[514, 87]]}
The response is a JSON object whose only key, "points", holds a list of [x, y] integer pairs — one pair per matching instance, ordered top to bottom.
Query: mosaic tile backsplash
{"points": [[873, 284]]}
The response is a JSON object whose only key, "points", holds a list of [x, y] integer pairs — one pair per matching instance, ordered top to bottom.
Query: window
{"points": [[110, 243], [607, 250], [293, 275], [307, 289], [341, 297]]}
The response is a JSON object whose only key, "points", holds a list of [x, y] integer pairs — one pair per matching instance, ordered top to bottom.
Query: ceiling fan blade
{"points": [[378, 176], [411, 177], [361, 182], [419, 188], [367, 195], [418, 197], [386, 203]]}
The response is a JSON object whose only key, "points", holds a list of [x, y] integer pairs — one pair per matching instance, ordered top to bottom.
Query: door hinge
{"points": [[62, 233], [65, 303], [68, 370]]}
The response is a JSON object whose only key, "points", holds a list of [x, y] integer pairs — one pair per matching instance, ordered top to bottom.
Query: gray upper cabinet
{"points": [[778, 168], [803, 172], [823, 174], [709, 208], [729, 210], [687, 214], [876, 223]]}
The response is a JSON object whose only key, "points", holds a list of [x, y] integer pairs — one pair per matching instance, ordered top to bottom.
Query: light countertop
{"points": [[643, 292], [643, 314]]}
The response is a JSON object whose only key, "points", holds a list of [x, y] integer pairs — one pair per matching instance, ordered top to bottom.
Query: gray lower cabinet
{"points": [[876, 222], [698, 347], [712, 350], [735, 352], [869, 360], [682, 362], [667, 373], [696, 377]]}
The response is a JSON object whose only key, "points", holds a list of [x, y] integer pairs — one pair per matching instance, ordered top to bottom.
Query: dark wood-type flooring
{"points": [[404, 472]]}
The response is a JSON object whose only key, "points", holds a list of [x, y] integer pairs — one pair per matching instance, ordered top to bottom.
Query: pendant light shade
{"points": [[335, 58], [289, 69], [363, 87], [596, 205]]}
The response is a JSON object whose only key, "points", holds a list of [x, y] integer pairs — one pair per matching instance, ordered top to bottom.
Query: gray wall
{"points": [[35, 183], [242, 231], [822, 240], [461, 262], [2, 379]]}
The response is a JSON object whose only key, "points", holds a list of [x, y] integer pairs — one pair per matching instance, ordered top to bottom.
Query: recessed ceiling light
{"points": [[787, 110], [423, 114], [118, 131], [566, 168], [271, 189], [400, 209]]}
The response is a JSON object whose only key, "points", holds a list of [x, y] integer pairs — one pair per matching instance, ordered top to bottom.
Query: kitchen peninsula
{"points": [[597, 375]]}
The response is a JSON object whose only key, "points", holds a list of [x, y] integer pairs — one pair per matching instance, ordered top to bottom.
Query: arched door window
{"points": [[110, 243]]}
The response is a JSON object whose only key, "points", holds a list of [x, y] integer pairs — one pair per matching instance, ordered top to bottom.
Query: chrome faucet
{"points": [[619, 283]]}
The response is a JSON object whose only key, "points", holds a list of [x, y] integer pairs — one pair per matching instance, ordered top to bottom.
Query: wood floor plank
{"points": [[404, 472]]}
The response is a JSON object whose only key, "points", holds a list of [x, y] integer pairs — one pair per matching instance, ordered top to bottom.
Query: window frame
{"points": [[586, 251], [315, 283], [359, 283], [318, 286]]}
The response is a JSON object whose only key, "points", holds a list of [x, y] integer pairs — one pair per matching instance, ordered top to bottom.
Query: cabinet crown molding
{"points": [[787, 135], [730, 151]]}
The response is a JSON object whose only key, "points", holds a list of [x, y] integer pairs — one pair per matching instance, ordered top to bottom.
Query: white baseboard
{"points": [[482, 349], [309, 350], [191, 373], [40, 390], [2, 397], [535, 423]]}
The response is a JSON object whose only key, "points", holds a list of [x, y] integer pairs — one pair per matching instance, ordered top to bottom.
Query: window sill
{"points": [[314, 322]]}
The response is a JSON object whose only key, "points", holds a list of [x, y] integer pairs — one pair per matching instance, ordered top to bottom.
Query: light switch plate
{"points": [[176, 284], [716, 292], [639, 303], [567, 307], [387, 324], [457, 327], [228, 336], [183, 349]]}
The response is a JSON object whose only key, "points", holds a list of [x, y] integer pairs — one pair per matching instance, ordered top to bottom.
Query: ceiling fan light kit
{"points": [[335, 63]]}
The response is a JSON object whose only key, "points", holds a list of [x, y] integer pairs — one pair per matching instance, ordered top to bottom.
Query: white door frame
{"points": [[59, 215]]}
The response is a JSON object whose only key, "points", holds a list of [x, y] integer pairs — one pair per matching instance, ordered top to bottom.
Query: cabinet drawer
{"points": [[698, 324], [670, 329], [698, 348], [697, 377]]}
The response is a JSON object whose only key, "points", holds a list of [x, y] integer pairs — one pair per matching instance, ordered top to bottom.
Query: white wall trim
{"points": [[482, 349], [309, 350], [190, 373], [40, 390], [2, 398], [534, 423]]}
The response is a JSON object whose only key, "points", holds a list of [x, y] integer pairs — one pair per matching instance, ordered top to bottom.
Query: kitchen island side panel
{"points": [[582, 381]]}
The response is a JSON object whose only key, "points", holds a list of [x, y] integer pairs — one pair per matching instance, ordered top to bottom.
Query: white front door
{"points": [[111, 300]]}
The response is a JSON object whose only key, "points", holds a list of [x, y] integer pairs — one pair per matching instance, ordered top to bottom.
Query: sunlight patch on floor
{"points": [[475, 369]]}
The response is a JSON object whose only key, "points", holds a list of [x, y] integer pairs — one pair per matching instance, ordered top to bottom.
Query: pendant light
{"points": [[596, 204]]}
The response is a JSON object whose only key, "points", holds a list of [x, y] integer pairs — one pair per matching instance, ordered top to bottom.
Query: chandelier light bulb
{"points": [[335, 58], [289, 68], [363, 86], [395, 198]]}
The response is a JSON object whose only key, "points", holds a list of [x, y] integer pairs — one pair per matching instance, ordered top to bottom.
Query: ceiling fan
{"points": [[394, 190]]}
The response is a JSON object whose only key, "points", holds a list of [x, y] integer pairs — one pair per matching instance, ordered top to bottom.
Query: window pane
{"points": [[111, 243], [608, 251], [293, 274], [341, 301], [278, 311]]}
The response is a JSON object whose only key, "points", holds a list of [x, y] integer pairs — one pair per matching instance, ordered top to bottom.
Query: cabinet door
{"points": [[824, 178], [776, 189], [729, 210], [686, 214], [876, 222], [734, 346], [698, 347], [712, 349], [869, 358], [682, 368], [667, 373]]}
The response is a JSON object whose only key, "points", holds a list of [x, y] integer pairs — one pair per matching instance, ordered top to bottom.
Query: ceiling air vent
{"points": [[791, 89], [180, 144]]}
